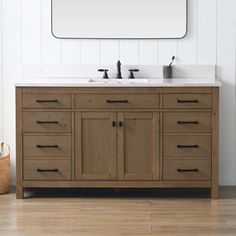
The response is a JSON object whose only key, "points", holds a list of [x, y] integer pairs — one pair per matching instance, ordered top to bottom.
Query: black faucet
{"points": [[131, 73], [105, 74], [118, 75]]}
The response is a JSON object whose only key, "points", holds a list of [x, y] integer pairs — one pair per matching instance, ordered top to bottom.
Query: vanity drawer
{"points": [[49, 100], [106, 101], [183, 101], [46, 121], [187, 122], [46, 146], [179, 146], [47, 170], [187, 170]]}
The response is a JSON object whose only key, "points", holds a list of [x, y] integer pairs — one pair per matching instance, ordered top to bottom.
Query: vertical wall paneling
{"points": [[207, 31], [31, 32], [51, 47], [187, 47], [167, 49], [70, 51], [90, 51], [129, 51], [109, 52], [148, 52], [12, 59], [225, 72], [1, 75], [235, 77], [235, 81]]}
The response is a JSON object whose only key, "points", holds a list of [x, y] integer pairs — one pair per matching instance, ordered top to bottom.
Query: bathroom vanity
{"points": [[155, 135]]}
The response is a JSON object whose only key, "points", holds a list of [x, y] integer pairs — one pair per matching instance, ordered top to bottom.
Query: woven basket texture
{"points": [[4, 170]]}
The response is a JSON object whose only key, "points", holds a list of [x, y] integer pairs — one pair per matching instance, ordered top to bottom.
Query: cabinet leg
{"points": [[215, 192], [19, 193]]}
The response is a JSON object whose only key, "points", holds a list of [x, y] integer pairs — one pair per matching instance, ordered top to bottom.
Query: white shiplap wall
{"points": [[26, 39], [11, 59], [226, 72], [1, 76]]}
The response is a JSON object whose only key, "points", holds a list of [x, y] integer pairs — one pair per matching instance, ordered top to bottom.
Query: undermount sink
{"points": [[118, 81]]}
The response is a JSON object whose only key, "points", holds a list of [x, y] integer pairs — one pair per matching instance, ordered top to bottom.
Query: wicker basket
{"points": [[4, 168]]}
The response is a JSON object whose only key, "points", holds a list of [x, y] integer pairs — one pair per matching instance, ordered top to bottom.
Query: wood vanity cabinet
{"points": [[117, 137]]}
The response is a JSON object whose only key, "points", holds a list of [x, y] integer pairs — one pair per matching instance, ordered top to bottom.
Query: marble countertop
{"points": [[98, 82]]}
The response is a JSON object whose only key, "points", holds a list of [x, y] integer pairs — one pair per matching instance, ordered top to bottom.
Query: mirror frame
{"points": [[185, 34]]}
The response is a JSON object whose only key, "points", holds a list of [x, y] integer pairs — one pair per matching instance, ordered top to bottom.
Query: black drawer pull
{"points": [[47, 101], [117, 101], [187, 101], [47, 122], [187, 122], [120, 123], [113, 124], [47, 146], [187, 146], [47, 170], [187, 170]]}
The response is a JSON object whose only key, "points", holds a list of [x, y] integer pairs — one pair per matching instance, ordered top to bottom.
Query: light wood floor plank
{"points": [[118, 216]]}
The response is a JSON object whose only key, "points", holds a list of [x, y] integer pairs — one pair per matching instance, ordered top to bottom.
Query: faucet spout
{"points": [[118, 75]]}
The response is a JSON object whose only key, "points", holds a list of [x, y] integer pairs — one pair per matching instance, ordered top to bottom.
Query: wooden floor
{"points": [[120, 214]]}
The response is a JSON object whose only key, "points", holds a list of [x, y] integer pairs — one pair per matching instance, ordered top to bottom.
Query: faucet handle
{"points": [[105, 74], [131, 74]]}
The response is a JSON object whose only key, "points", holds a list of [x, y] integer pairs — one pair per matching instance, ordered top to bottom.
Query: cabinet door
{"points": [[95, 146], [138, 146]]}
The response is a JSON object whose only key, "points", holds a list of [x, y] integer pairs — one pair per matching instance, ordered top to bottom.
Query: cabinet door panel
{"points": [[95, 146], [138, 146]]}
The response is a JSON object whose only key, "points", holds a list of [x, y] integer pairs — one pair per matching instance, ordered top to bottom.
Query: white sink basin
{"points": [[118, 81]]}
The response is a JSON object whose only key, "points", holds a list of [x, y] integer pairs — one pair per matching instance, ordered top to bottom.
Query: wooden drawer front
{"points": [[46, 100], [117, 101], [181, 101], [46, 121], [183, 122], [46, 146], [187, 146], [47, 170], [187, 170]]}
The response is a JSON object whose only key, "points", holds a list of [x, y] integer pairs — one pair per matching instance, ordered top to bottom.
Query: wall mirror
{"points": [[117, 19]]}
